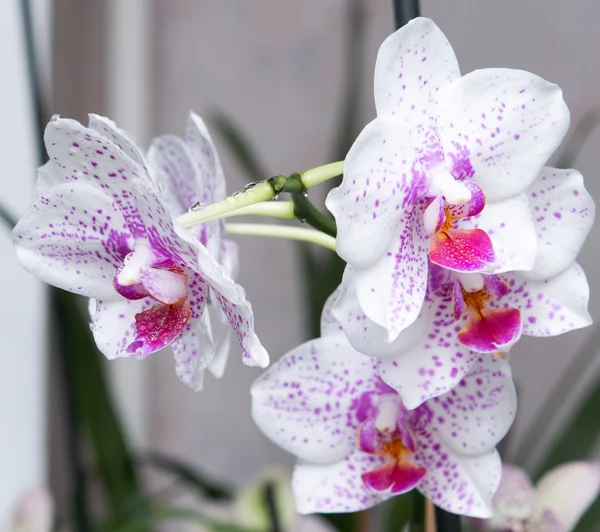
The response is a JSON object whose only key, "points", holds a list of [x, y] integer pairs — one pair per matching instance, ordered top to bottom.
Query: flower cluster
{"points": [[458, 239]]}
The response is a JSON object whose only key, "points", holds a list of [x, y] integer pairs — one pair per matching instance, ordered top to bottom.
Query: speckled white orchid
{"points": [[441, 174], [99, 228], [466, 314], [358, 444], [556, 504]]}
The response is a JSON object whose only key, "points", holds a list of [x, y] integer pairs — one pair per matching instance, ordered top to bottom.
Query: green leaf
{"points": [[404, 11], [240, 147], [93, 406], [206, 487], [397, 512], [590, 519]]}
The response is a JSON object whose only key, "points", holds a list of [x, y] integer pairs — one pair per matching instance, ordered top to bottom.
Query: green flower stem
{"points": [[316, 176], [296, 183], [274, 209], [305, 211], [283, 231]]}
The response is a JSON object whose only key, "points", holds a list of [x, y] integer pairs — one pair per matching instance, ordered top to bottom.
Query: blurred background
{"points": [[279, 71]]}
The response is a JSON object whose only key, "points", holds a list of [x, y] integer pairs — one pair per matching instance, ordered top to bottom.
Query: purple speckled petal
{"points": [[413, 65], [498, 127], [122, 139], [83, 155], [204, 155], [381, 185], [472, 207], [563, 213], [509, 224], [75, 238], [460, 250], [229, 258], [166, 286], [392, 291], [458, 301], [553, 306], [113, 324], [365, 335], [193, 350], [437, 362], [304, 401], [476, 414], [368, 437], [459, 484], [336, 487], [567, 491], [513, 500]]}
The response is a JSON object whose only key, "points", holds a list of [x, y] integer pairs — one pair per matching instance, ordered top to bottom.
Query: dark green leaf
{"points": [[404, 11], [94, 408], [206, 487], [397, 512], [590, 520]]}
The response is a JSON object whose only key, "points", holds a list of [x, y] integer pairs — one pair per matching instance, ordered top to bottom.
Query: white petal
{"points": [[413, 65], [499, 127], [82, 154], [204, 155], [47, 176], [382, 181], [563, 214], [509, 224], [75, 238], [230, 258], [391, 291], [553, 306], [113, 325], [221, 332], [436, 362], [302, 401], [477, 413], [336, 487], [567, 491], [513, 500], [34, 512]]}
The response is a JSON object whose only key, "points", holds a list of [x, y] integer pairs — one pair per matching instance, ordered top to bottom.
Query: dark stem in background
{"points": [[404, 11], [269, 494], [81, 516]]}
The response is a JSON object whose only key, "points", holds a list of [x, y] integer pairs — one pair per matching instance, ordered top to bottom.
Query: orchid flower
{"points": [[190, 174], [441, 174], [99, 228], [466, 314], [358, 444], [556, 504], [34, 512]]}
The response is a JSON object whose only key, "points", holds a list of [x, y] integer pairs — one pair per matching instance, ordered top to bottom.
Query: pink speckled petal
{"points": [[413, 65], [498, 127], [122, 139], [83, 155], [204, 155], [381, 185], [472, 207], [563, 214], [434, 216], [509, 224], [75, 238], [468, 250], [166, 286], [132, 291], [392, 291], [458, 301], [553, 306], [113, 324], [157, 327], [365, 335], [437, 362], [302, 402], [478, 412], [368, 437], [395, 477], [336, 487], [567, 491], [513, 500]]}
